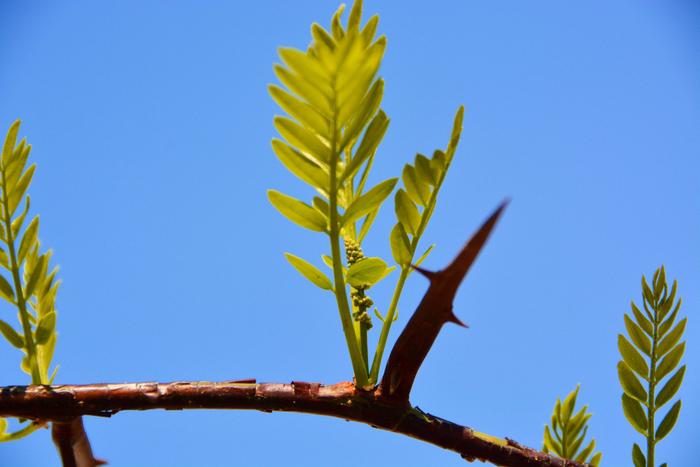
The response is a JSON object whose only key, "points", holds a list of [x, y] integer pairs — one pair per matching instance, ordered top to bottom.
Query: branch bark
{"points": [[64, 403], [73, 444]]}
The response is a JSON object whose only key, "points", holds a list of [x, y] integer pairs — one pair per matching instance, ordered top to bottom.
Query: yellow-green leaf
{"points": [[303, 139], [306, 169], [369, 201], [298, 212], [407, 212], [400, 245], [309, 271], [367, 272], [6, 290], [46, 327], [637, 335], [12, 336], [671, 339], [633, 359], [670, 361], [630, 383], [670, 388], [634, 414], [668, 422]]}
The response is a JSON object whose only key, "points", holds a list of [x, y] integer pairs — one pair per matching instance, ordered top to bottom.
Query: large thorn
{"points": [[432, 313]]}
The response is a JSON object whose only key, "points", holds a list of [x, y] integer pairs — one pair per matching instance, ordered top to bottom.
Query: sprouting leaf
{"points": [[303, 89], [368, 107], [303, 112], [303, 139], [10, 141], [370, 141], [308, 170], [424, 171], [416, 188], [17, 193], [369, 201], [298, 212], [407, 213], [17, 223], [29, 240], [400, 246], [420, 260], [309, 271], [367, 272], [37, 273], [6, 290], [642, 321], [666, 325], [45, 329], [12, 336], [638, 336], [671, 339], [630, 355], [670, 361], [630, 383], [670, 388], [634, 413], [668, 422], [567, 433], [638, 456]]}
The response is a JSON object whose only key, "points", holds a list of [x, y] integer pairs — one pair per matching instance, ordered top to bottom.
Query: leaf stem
{"points": [[19, 294], [359, 368], [651, 409]]}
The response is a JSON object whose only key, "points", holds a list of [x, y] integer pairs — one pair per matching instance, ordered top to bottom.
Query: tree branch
{"points": [[64, 403]]}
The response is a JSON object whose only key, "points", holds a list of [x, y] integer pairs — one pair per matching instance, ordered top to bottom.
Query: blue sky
{"points": [[151, 122]]}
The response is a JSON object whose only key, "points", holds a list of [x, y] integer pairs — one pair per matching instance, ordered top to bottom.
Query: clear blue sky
{"points": [[151, 124]]}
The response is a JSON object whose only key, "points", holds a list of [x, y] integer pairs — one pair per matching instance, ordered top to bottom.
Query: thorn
{"points": [[430, 275], [453, 319]]}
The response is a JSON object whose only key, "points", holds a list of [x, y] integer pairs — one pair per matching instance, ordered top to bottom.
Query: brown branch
{"points": [[432, 313], [342, 400], [73, 444]]}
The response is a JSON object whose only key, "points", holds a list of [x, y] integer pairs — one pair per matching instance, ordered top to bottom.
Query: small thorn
{"points": [[430, 275], [453, 319]]}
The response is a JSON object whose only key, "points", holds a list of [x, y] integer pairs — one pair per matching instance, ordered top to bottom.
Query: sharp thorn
{"points": [[430, 275], [453, 319]]}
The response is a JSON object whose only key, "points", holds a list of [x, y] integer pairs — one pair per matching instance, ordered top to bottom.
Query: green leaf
{"points": [[308, 67], [304, 89], [368, 107], [303, 112], [456, 133], [303, 139], [10, 141], [368, 146], [438, 164], [306, 169], [423, 170], [417, 189], [17, 193], [368, 202], [321, 206], [297, 212], [406, 212], [17, 223], [366, 224], [29, 240], [400, 246], [420, 260], [309, 271], [38, 272], [367, 272], [6, 290], [646, 291], [668, 302], [642, 320], [666, 325], [46, 328], [12, 336], [638, 336], [672, 339], [633, 359], [670, 361], [630, 383], [670, 388], [568, 406], [634, 414], [668, 422], [550, 443], [583, 455], [638, 456], [595, 460]]}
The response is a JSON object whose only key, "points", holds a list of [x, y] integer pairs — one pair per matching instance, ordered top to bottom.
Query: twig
{"points": [[342, 400]]}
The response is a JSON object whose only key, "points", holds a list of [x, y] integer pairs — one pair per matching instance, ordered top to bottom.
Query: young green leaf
{"points": [[308, 170], [368, 202], [298, 212], [407, 213], [400, 245], [310, 272], [367, 272], [6, 290], [46, 328], [12, 336], [633, 358], [630, 383], [670, 388], [634, 413], [668, 422], [638, 456]]}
